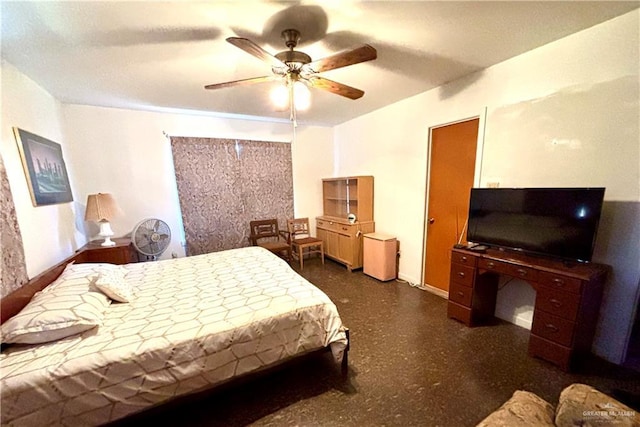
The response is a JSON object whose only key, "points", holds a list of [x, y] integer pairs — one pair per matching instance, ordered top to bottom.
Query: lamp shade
{"points": [[100, 207]]}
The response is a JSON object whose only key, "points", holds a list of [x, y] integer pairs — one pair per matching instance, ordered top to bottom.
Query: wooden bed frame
{"points": [[11, 304]]}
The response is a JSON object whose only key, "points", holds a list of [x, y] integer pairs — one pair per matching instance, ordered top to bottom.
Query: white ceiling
{"points": [[159, 55]]}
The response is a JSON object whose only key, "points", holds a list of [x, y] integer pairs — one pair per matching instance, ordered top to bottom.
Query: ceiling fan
{"points": [[293, 66]]}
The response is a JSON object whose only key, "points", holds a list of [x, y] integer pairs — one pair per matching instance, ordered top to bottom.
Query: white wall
{"points": [[602, 61], [125, 152], [312, 153], [48, 233]]}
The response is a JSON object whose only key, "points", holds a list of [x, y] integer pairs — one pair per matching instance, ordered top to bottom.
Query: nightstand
{"points": [[122, 252]]}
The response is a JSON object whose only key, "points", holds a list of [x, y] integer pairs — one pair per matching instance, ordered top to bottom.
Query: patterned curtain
{"points": [[223, 184], [13, 270]]}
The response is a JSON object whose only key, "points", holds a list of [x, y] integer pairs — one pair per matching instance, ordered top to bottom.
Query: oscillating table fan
{"points": [[151, 237]]}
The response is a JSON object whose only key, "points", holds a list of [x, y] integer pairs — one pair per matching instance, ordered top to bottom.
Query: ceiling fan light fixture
{"points": [[280, 96], [301, 96]]}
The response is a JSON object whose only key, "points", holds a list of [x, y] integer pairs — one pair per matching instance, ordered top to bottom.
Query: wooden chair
{"points": [[265, 233], [301, 239]]}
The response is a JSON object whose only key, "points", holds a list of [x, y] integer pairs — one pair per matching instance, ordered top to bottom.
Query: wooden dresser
{"points": [[341, 197], [122, 252], [568, 297]]}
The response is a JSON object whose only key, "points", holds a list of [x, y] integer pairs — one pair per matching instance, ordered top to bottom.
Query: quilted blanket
{"points": [[192, 323]]}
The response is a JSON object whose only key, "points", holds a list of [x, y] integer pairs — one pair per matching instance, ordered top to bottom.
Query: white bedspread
{"points": [[193, 322]]}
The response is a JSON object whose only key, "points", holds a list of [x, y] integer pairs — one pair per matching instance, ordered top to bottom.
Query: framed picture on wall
{"points": [[44, 168]]}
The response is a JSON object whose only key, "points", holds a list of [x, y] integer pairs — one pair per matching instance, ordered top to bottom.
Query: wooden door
{"points": [[451, 172]]}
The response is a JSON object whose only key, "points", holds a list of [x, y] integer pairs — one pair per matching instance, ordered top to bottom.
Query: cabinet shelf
{"points": [[349, 195]]}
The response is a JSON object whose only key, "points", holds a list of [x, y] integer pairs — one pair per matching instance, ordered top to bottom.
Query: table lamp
{"points": [[101, 208]]}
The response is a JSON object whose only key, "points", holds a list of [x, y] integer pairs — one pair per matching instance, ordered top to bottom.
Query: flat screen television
{"points": [[556, 222]]}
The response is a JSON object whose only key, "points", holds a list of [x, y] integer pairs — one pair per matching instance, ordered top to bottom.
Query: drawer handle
{"points": [[345, 229], [463, 259], [490, 265], [522, 272], [461, 273], [558, 282], [460, 293], [555, 302], [551, 327]]}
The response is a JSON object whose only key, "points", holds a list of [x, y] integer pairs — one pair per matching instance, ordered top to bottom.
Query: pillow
{"points": [[82, 272], [108, 279], [113, 285], [70, 305], [583, 405], [523, 409]]}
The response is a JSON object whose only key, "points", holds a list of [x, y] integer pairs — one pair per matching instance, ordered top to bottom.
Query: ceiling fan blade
{"points": [[255, 50], [342, 59], [241, 82], [335, 87]]}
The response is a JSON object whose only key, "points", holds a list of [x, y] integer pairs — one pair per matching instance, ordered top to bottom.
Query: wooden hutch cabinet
{"points": [[341, 197]]}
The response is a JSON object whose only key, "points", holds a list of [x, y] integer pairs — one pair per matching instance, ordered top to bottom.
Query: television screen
{"points": [[558, 222]]}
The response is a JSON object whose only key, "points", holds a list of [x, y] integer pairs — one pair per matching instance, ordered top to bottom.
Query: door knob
{"points": [[432, 220]]}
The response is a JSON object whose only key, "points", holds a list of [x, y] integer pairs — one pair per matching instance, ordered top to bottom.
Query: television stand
{"points": [[567, 298]]}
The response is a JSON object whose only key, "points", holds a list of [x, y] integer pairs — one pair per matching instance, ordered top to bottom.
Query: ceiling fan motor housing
{"points": [[293, 57]]}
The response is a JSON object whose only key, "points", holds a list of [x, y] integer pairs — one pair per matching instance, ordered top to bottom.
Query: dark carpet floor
{"points": [[409, 366]]}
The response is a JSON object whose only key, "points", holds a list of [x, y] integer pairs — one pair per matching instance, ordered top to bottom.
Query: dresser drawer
{"points": [[326, 224], [349, 230], [118, 254], [464, 259], [492, 265], [510, 269], [462, 274], [558, 281], [460, 294], [556, 302], [459, 312], [553, 328]]}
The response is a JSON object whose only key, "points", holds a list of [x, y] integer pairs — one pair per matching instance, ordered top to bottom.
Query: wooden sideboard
{"points": [[343, 240], [568, 297]]}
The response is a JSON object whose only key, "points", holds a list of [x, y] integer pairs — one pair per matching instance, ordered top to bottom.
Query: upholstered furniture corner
{"points": [[578, 405]]}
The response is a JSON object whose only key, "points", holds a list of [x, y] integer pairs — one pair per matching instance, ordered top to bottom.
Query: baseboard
{"points": [[411, 280], [436, 291], [522, 321]]}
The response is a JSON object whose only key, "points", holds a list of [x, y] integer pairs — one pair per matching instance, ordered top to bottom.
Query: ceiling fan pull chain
{"points": [[292, 105]]}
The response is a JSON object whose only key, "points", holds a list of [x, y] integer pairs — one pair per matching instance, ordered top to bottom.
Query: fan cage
{"points": [[151, 237]]}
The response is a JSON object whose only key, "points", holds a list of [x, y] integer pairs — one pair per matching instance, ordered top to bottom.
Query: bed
{"points": [[189, 324]]}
